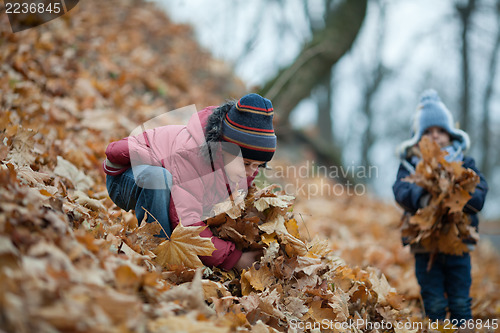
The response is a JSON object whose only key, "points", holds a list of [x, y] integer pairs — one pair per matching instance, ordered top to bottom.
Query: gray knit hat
{"points": [[432, 112]]}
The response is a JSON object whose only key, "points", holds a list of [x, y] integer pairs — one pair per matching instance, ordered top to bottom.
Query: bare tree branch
{"points": [[294, 83]]}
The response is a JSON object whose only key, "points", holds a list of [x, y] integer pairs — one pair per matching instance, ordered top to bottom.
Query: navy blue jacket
{"points": [[408, 194]]}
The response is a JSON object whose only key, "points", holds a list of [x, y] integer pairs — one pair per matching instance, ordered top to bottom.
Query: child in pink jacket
{"points": [[178, 173]]}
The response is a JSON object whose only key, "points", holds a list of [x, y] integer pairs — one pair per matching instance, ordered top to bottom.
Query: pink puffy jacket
{"points": [[196, 186]]}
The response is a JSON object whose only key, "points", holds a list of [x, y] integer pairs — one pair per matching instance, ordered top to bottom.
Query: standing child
{"points": [[178, 173], [446, 286]]}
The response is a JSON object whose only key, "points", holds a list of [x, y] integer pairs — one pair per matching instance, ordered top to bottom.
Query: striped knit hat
{"points": [[249, 124]]}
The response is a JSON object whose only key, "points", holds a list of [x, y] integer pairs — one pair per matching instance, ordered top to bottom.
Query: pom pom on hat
{"points": [[429, 95], [431, 111]]}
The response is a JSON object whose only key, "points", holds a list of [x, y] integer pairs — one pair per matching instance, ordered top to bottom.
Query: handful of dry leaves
{"points": [[441, 225], [295, 281]]}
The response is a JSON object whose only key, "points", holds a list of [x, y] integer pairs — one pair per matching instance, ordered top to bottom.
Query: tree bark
{"points": [[465, 12], [294, 83], [373, 83], [488, 93], [324, 102]]}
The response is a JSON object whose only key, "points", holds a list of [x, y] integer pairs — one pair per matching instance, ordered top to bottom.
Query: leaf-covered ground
{"points": [[71, 261]]}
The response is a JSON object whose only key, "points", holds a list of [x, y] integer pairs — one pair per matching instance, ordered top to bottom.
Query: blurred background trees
{"points": [[345, 76]]}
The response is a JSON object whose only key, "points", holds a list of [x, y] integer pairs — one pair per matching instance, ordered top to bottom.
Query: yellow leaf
{"points": [[45, 192], [292, 227], [268, 238], [184, 247], [126, 278], [259, 279], [246, 287], [212, 289], [320, 313], [232, 320]]}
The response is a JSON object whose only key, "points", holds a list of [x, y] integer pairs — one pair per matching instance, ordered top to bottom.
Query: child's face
{"points": [[438, 135], [238, 168]]}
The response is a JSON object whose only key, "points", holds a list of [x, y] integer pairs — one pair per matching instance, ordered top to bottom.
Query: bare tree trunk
{"points": [[465, 10], [311, 67], [374, 81], [294, 83], [323, 93], [488, 93], [324, 100], [368, 135]]}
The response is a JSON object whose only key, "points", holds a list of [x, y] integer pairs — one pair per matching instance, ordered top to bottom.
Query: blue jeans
{"points": [[148, 190], [446, 286]]}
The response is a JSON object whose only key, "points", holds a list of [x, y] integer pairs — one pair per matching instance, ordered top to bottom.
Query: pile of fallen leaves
{"points": [[441, 226], [364, 231], [70, 260], [109, 277], [295, 281], [311, 285]]}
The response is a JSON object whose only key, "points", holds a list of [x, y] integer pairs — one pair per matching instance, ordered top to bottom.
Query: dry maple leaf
{"points": [[183, 247]]}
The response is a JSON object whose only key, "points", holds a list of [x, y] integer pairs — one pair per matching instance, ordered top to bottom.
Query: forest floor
{"points": [[67, 260]]}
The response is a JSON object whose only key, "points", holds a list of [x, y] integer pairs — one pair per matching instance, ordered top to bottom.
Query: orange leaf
{"points": [[457, 200], [292, 227], [126, 278], [259, 279]]}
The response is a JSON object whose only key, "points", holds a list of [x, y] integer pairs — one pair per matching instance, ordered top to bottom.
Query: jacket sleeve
{"points": [[129, 151], [117, 152], [117, 157], [407, 194], [476, 202]]}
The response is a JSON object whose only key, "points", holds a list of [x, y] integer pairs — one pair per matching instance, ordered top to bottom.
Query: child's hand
{"points": [[247, 259]]}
